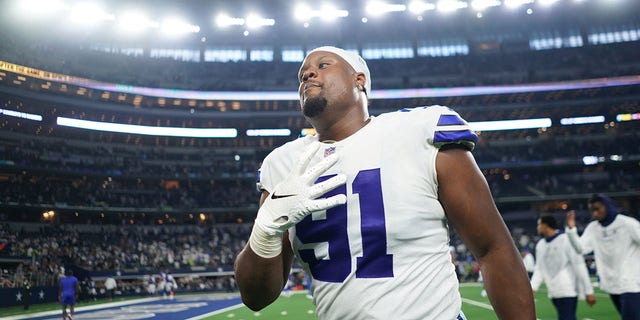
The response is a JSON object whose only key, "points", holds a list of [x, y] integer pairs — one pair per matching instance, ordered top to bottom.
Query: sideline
{"points": [[86, 308]]}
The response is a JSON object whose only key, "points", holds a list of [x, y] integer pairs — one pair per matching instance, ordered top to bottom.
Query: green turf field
{"points": [[299, 307], [475, 307]]}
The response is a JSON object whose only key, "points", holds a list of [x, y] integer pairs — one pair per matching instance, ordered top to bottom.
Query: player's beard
{"points": [[314, 106]]}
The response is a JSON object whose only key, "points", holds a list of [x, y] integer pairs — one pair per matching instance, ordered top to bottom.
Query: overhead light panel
{"points": [[516, 3], [451, 5], [481, 5], [419, 7], [29, 8], [377, 8], [327, 12], [89, 14], [224, 20], [255, 21], [135, 22], [173, 26], [23, 115], [582, 120], [510, 124], [148, 130], [268, 132]]}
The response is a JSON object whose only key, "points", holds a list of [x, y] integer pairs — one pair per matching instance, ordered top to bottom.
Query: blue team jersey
{"points": [[68, 285]]}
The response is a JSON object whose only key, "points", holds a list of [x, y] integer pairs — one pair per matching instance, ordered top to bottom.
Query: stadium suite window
{"points": [[225, 55], [292, 55]]}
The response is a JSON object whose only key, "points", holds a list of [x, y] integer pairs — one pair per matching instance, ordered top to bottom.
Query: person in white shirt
{"points": [[365, 205], [615, 241], [561, 268], [110, 285]]}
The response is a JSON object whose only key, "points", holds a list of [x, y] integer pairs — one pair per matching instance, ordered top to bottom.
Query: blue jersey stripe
{"points": [[450, 119], [463, 137]]}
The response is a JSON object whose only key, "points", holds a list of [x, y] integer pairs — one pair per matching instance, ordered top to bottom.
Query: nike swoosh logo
{"points": [[274, 196]]}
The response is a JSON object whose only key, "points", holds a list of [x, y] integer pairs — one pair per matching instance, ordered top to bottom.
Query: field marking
{"points": [[477, 303], [82, 309], [213, 313]]}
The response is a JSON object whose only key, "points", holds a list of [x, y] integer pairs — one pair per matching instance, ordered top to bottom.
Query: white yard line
{"points": [[477, 304]]}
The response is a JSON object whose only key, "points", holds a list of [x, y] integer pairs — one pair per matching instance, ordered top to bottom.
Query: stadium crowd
{"points": [[111, 249]]}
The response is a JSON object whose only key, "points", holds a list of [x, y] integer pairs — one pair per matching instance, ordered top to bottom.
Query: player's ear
{"points": [[360, 80]]}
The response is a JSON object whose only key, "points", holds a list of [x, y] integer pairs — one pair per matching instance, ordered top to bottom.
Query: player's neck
{"points": [[341, 130]]}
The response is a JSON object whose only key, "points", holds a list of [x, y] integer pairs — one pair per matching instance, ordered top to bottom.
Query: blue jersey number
{"points": [[374, 262]]}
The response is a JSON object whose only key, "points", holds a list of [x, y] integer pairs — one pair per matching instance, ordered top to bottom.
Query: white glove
{"points": [[292, 200]]}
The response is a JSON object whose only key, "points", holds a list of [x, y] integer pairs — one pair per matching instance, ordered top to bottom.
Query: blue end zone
{"points": [[182, 307]]}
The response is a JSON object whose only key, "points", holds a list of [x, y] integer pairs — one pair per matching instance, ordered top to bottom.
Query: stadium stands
{"points": [[137, 204]]}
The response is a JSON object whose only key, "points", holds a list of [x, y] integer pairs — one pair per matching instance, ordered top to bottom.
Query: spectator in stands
{"points": [[407, 172], [615, 241], [561, 269], [67, 293]]}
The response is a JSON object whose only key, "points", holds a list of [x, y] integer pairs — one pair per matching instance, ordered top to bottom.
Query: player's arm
{"points": [[467, 201], [581, 244], [582, 274], [536, 278], [261, 279]]}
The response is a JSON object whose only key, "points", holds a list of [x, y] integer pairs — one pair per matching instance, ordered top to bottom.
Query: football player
{"points": [[365, 205]]}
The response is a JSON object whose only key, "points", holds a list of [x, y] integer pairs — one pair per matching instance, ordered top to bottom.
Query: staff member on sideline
{"points": [[615, 241], [561, 269]]}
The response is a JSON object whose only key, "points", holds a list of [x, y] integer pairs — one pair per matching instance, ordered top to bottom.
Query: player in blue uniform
{"points": [[364, 205], [68, 289]]}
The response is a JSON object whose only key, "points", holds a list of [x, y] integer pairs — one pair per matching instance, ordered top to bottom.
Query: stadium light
{"points": [[516, 3], [546, 3], [481, 5], [446, 6], [419, 7], [29, 8], [377, 8], [330, 12], [304, 13], [89, 14], [223, 20], [255, 21], [135, 22], [173, 26], [22, 115], [627, 117], [581, 120], [510, 124], [148, 130], [268, 132], [590, 160]]}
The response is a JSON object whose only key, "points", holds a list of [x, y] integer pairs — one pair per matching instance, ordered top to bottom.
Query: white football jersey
{"points": [[616, 248], [385, 253], [561, 268]]}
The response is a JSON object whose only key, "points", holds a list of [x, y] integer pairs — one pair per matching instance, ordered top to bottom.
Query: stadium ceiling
{"points": [[281, 19]]}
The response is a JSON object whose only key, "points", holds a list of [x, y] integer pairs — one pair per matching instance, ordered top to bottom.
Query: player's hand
{"points": [[297, 196], [571, 219], [591, 299]]}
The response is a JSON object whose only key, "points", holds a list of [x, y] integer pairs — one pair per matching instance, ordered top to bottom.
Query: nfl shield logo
{"points": [[329, 151]]}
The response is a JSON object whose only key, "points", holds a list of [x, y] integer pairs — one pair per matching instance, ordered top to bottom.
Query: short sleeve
{"points": [[444, 126]]}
